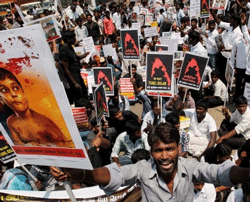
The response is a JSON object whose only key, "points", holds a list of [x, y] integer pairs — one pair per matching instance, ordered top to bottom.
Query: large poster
{"points": [[220, 4], [205, 8], [49, 26], [130, 44], [192, 70], [159, 73], [104, 74], [127, 88], [100, 101], [41, 128]]}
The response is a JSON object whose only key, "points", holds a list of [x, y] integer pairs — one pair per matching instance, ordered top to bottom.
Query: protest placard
{"points": [[220, 4], [195, 8], [204, 8], [144, 11], [141, 20], [148, 20], [49, 26], [137, 26], [150, 31], [167, 34], [172, 43], [88, 44], [130, 44], [161, 47], [79, 50], [108, 50], [178, 55], [177, 67], [142, 71], [192, 71], [159, 73], [229, 74], [104, 75], [127, 88], [247, 93], [162, 94], [100, 101], [80, 116], [46, 134], [6, 153]]}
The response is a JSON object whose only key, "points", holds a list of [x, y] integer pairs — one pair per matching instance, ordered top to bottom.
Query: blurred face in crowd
{"points": [[178, 7], [89, 18], [193, 24], [211, 27], [133, 71], [214, 79], [241, 108], [156, 110], [201, 112], [119, 116], [135, 136], [198, 186]]}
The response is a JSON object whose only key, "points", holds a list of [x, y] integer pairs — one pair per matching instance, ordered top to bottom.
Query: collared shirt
{"points": [[72, 15], [179, 15], [117, 20], [108, 25], [93, 30], [81, 33], [231, 35], [247, 38], [211, 44], [240, 47], [199, 50], [220, 90], [123, 103], [149, 118], [242, 120], [199, 132], [123, 143], [153, 188], [207, 193], [236, 196]]}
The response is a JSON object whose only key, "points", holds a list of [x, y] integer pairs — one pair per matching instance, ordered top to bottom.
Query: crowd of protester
{"points": [[123, 137]]}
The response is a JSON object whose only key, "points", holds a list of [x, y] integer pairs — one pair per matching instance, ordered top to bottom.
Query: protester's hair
{"points": [[178, 3], [86, 4], [161, 10], [96, 11], [107, 12], [88, 14], [236, 17], [78, 20], [183, 20], [194, 20], [211, 22], [166, 25], [66, 35], [194, 35], [92, 62], [133, 66], [215, 73], [5, 74], [240, 100], [83, 102], [154, 103], [202, 103], [113, 110], [172, 118], [93, 122], [132, 126], [164, 132], [223, 150], [140, 154], [210, 156]]}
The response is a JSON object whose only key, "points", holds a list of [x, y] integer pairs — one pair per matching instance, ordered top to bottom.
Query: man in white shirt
{"points": [[179, 14], [117, 18], [233, 29], [81, 31], [211, 44], [197, 47], [239, 53], [220, 91], [202, 129], [238, 136], [129, 141], [204, 192]]}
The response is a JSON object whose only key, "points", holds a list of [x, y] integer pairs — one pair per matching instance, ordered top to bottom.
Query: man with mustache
{"points": [[166, 176]]}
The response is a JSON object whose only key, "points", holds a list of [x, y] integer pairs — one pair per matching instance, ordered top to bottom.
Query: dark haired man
{"points": [[93, 29], [238, 136], [166, 176]]}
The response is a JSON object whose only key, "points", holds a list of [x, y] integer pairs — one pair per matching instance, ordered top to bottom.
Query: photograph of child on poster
{"points": [[27, 127]]}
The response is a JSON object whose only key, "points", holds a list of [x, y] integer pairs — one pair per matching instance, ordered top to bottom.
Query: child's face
{"points": [[12, 95]]}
